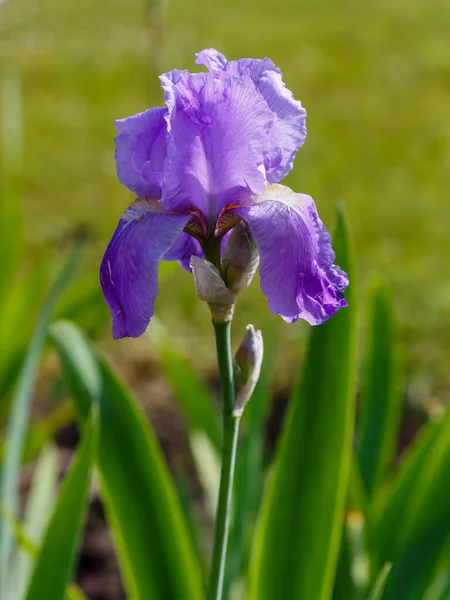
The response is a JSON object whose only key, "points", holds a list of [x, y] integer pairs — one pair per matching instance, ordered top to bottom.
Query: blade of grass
{"points": [[381, 402], [18, 421], [40, 502], [393, 505], [427, 525], [152, 541], [297, 545], [54, 563], [380, 583], [437, 589], [73, 592]]}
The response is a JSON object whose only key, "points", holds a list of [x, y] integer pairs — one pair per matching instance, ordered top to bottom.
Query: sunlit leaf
{"points": [[381, 402], [18, 421], [40, 502], [426, 525], [297, 546], [154, 547], [54, 564], [380, 583]]}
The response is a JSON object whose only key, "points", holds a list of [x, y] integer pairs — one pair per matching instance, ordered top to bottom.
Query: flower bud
{"points": [[240, 259], [211, 288], [248, 362]]}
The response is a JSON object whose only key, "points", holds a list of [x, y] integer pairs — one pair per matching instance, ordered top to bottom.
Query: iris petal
{"points": [[288, 132], [217, 133], [141, 150], [182, 250], [129, 270], [297, 272]]}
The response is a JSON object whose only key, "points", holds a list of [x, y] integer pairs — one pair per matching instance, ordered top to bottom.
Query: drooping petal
{"points": [[289, 127], [217, 134], [141, 151], [182, 250], [129, 270], [297, 272]]}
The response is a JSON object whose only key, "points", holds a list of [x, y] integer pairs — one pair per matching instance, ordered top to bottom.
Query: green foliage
{"points": [[381, 402], [18, 420], [426, 527], [375, 530], [150, 533], [297, 545], [54, 562], [380, 583]]}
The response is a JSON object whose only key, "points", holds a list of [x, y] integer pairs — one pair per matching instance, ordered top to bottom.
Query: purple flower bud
{"points": [[240, 259], [211, 288], [248, 363]]}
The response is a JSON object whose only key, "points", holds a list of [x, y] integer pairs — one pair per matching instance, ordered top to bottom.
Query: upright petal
{"points": [[289, 126], [217, 134], [141, 151], [129, 270], [297, 272]]}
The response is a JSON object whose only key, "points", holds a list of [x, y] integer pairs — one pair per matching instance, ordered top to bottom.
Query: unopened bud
{"points": [[240, 259], [211, 288], [248, 361]]}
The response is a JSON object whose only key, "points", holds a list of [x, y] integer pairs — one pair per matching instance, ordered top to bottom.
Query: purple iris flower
{"points": [[212, 156]]}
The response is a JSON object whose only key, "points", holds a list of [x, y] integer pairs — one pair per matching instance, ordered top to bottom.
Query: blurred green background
{"points": [[374, 77]]}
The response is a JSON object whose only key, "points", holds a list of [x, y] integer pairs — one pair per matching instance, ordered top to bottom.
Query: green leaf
{"points": [[194, 398], [381, 402], [18, 421], [41, 499], [392, 508], [426, 527], [150, 532], [298, 540], [355, 556], [54, 564], [380, 583], [438, 587], [73, 592]]}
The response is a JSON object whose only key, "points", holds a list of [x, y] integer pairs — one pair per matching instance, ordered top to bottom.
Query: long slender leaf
{"points": [[381, 402], [18, 422], [40, 502], [393, 506], [427, 527], [151, 535], [298, 541], [355, 557], [54, 563], [380, 583], [438, 587], [73, 592]]}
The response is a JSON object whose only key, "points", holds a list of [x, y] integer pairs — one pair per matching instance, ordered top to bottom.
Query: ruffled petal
{"points": [[289, 127], [217, 135], [141, 151], [129, 270], [297, 272]]}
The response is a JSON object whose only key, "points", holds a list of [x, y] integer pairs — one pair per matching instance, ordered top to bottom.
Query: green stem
{"points": [[230, 437]]}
